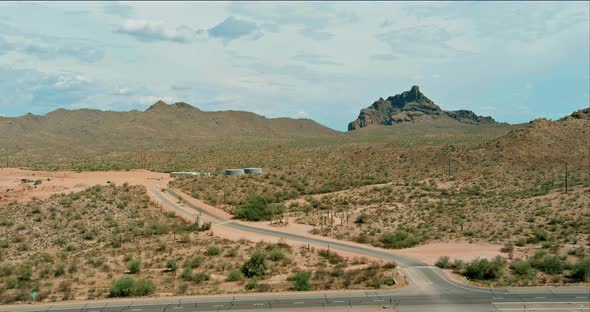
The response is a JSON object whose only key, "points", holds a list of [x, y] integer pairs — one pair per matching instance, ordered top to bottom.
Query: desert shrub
{"points": [[255, 209], [362, 218], [539, 235], [399, 239], [520, 242], [507, 248], [213, 251], [276, 254], [333, 258], [194, 262], [443, 262], [549, 264], [171, 265], [134, 266], [255, 266], [521, 268], [483, 269], [59, 270], [581, 270], [25, 272], [187, 274], [234, 275], [201, 277], [301, 281], [127, 286], [122, 287], [143, 288]]}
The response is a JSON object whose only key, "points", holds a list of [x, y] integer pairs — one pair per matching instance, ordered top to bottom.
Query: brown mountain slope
{"points": [[411, 106], [161, 124], [542, 141]]}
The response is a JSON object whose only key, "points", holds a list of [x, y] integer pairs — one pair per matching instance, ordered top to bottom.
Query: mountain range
{"points": [[410, 106]]}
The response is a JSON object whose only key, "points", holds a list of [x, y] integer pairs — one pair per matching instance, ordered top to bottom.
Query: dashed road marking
{"points": [[298, 302]]}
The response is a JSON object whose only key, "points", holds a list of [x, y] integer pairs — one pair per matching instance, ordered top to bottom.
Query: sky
{"points": [[514, 61]]}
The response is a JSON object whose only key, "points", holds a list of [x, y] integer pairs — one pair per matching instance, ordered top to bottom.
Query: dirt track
{"points": [[53, 182]]}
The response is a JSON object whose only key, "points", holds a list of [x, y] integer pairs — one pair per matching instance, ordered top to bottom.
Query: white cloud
{"points": [[144, 30]]}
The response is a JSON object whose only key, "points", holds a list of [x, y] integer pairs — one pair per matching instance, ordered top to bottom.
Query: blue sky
{"points": [[515, 61]]}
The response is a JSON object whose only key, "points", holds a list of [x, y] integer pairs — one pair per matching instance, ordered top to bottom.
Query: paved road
{"points": [[429, 288]]}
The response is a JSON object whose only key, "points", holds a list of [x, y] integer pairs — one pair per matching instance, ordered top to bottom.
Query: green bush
{"points": [[255, 209], [399, 239], [520, 242], [212, 251], [276, 254], [194, 262], [443, 262], [549, 264], [171, 265], [134, 266], [255, 266], [521, 268], [483, 269], [581, 270], [25, 272], [187, 274], [234, 276], [201, 277], [301, 281], [127, 286], [122, 287], [143, 288]]}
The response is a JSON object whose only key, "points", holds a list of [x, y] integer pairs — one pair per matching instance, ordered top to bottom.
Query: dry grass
{"points": [[74, 246]]}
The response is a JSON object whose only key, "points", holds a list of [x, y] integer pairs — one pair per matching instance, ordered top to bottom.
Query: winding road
{"points": [[429, 289]]}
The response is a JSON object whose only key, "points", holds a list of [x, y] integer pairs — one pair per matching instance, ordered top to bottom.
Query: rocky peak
{"points": [[158, 104], [176, 106], [409, 106]]}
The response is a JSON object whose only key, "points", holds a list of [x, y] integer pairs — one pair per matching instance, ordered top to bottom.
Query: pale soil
{"points": [[55, 182], [12, 189], [427, 253]]}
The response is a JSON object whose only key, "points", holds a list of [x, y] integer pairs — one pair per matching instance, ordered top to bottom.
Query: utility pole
{"points": [[449, 165], [566, 177]]}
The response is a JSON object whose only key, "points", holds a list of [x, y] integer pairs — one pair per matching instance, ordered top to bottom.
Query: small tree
{"points": [[255, 266], [301, 281]]}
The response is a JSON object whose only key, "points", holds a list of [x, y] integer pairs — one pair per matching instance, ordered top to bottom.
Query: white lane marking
{"points": [[224, 222], [540, 297], [378, 300], [338, 301], [298, 302], [258, 304], [218, 306], [177, 308], [539, 309], [135, 310]]}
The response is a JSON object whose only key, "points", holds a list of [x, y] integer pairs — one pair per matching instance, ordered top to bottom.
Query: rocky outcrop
{"points": [[410, 106]]}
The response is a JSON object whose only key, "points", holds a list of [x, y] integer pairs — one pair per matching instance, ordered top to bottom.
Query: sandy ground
{"points": [[54, 182], [13, 189], [428, 253]]}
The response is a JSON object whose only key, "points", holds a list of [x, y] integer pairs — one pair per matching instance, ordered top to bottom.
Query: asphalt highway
{"points": [[429, 288]]}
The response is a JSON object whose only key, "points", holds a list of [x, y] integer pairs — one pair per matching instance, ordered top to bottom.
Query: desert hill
{"points": [[411, 106], [161, 124]]}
